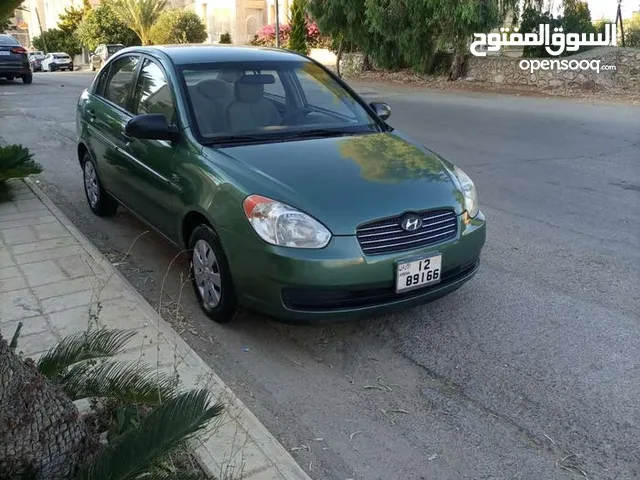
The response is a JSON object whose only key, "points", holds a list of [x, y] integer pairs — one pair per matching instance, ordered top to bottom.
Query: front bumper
{"points": [[339, 281]]}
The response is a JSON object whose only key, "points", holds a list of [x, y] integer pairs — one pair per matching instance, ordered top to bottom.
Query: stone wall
{"points": [[351, 64], [504, 70]]}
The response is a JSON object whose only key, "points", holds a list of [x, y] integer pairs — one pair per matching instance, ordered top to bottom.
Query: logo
{"points": [[570, 42], [411, 223]]}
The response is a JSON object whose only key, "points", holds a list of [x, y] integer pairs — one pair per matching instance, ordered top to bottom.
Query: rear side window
{"points": [[8, 40], [118, 84]]}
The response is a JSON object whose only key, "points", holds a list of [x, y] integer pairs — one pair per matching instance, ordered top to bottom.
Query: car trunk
{"points": [[12, 57]]}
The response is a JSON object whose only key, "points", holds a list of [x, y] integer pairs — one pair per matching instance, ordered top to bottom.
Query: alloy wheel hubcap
{"points": [[91, 184], [206, 271]]}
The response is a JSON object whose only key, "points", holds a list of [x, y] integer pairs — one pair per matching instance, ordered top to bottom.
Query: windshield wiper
{"points": [[325, 132], [283, 136], [230, 139]]}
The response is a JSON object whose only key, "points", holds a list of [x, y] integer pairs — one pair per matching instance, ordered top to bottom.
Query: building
{"points": [[240, 18]]}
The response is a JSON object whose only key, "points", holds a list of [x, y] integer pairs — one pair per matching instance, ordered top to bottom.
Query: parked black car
{"points": [[14, 60]]}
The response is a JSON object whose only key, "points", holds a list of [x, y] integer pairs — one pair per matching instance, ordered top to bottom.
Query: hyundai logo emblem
{"points": [[411, 223]]}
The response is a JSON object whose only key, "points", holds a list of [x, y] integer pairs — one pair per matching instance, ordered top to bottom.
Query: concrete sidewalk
{"points": [[56, 282]]}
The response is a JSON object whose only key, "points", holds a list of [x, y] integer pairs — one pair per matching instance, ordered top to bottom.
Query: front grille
{"points": [[384, 236], [323, 299]]}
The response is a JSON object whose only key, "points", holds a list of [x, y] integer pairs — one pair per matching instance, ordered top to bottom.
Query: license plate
{"points": [[4, 52], [418, 273]]}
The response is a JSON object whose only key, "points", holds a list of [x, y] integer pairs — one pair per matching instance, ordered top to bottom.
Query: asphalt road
{"points": [[530, 371]]}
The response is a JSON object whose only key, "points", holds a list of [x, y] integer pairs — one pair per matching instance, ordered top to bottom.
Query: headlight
{"points": [[468, 190], [279, 224]]}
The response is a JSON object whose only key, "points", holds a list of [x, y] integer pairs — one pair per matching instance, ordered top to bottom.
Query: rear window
{"points": [[8, 40], [114, 49], [61, 57]]}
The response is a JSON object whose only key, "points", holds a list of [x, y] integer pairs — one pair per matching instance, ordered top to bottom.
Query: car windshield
{"points": [[8, 40], [114, 48], [60, 56], [254, 100]]}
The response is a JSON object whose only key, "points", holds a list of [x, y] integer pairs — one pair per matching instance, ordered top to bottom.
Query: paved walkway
{"points": [[57, 283]]}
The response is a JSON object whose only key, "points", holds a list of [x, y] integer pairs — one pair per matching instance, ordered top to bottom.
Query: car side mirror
{"points": [[382, 110], [153, 126]]}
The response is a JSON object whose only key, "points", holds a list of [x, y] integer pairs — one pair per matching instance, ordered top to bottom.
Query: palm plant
{"points": [[139, 15], [16, 161], [79, 365], [43, 437]]}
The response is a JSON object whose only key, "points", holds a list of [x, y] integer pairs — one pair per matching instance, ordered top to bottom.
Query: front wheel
{"points": [[27, 79], [100, 202], [211, 276]]}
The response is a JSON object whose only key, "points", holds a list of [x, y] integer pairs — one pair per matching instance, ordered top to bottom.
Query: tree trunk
{"points": [[339, 57], [457, 66], [40, 428]]}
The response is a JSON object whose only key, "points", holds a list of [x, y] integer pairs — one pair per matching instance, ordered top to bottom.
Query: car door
{"points": [[106, 113], [151, 183]]}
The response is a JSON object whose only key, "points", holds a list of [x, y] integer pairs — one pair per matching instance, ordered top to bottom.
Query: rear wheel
{"points": [[10, 77], [28, 78], [100, 202], [210, 275]]}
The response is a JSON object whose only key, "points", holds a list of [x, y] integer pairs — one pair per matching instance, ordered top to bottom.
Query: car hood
{"points": [[346, 181]]}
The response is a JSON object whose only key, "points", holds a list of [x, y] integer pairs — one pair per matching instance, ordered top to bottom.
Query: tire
{"points": [[93, 68], [10, 78], [27, 79], [100, 202], [203, 243]]}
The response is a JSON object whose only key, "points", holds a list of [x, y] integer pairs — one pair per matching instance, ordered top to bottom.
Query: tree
{"points": [[7, 7], [139, 15], [69, 21], [344, 21], [101, 25], [600, 25], [178, 26], [632, 31], [298, 38], [56, 40], [16, 161], [40, 429], [43, 437]]}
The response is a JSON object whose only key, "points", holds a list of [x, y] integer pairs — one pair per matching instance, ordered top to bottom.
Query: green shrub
{"points": [[100, 25], [178, 26], [298, 37], [225, 38], [56, 40], [16, 161]]}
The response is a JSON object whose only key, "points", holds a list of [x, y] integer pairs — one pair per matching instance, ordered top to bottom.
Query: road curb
{"points": [[282, 463]]}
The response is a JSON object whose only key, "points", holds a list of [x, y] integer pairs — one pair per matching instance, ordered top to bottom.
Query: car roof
{"points": [[59, 53], [183, 54]]}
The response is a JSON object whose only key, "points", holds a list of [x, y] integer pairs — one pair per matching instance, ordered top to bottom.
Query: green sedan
{"points": [[290, 194]]}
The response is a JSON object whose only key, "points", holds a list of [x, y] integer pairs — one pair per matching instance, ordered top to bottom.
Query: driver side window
{"points": [[119, 82], [153, 93]]}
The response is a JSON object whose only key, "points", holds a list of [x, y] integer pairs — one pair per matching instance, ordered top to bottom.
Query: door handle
{"points": [[91, 114]]}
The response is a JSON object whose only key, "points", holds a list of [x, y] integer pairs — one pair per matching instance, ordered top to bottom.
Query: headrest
{"points": [[229, 76], [213, 89], [248, 92]]}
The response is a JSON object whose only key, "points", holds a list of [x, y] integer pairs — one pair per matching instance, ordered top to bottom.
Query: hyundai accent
{"points": [[292, 195]]}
